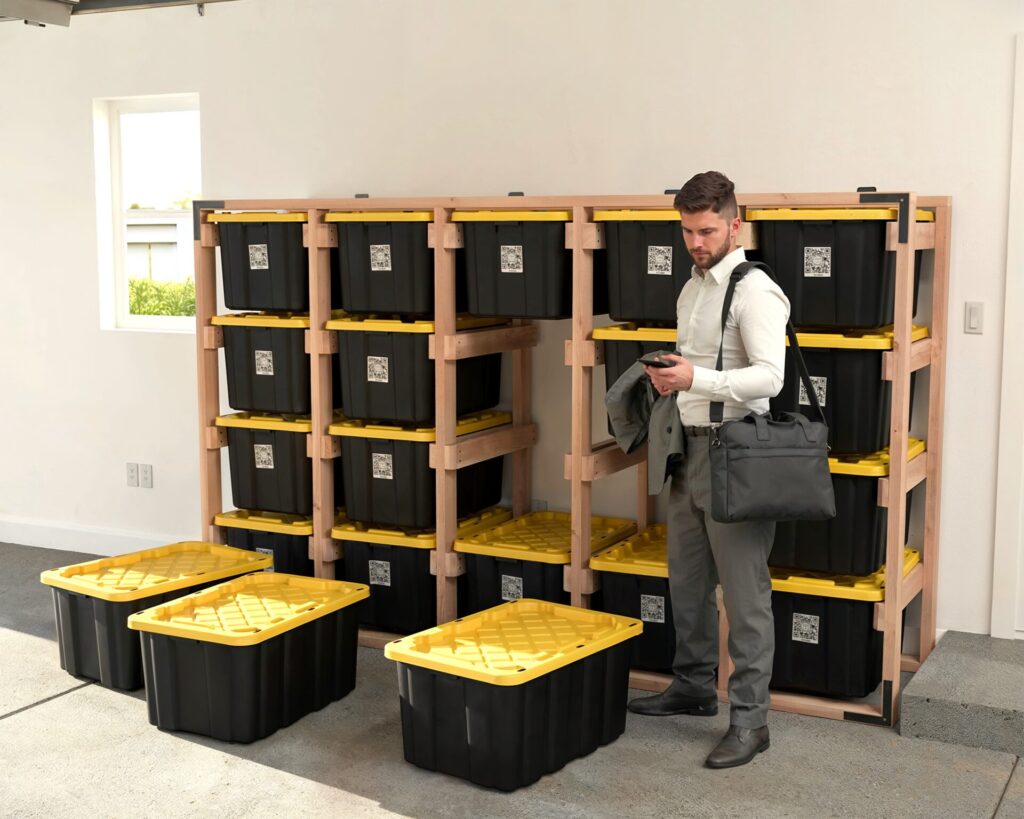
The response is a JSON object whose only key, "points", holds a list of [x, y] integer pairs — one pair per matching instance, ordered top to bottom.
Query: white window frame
{"points": [[111, 212]]}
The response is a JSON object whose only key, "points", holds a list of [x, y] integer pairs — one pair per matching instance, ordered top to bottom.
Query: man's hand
{"points": [[676, 378]]}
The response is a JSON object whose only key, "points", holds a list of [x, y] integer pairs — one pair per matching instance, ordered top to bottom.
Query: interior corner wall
{"points": [[323, 98]]}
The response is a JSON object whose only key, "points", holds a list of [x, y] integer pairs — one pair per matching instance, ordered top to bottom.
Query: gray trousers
{"points": [[701, 553]]}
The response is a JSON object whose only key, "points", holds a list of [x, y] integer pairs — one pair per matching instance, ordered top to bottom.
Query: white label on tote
{"points": [[380, 258], [511, 258], [259, 259], [659, 260], [818, 262], [264, 362], [377, 368], [820, 384], [264, 454], [382, 466], [270, 552], [380, 573], [511, 587], [652, 608], [805, 628]]}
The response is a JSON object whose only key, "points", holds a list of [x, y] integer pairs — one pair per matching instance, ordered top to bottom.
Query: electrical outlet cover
{"points": [[133, 474], [146, 476]]}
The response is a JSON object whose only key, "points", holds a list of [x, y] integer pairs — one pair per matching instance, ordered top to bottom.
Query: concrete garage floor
{"points": [[73, 748]]}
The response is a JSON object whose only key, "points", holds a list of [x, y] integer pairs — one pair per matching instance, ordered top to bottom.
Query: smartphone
{"points": [[655, 360]]}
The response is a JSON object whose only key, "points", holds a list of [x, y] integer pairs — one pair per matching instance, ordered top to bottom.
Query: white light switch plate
{"points": [[974, 317]]}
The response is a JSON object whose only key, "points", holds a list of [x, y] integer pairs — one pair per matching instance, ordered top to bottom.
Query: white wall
{"points": [[323, 97]]}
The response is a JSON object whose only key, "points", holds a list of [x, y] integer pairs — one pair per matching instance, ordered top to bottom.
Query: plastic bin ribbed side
{"points": [[648, 264], [835, 273], [390, 377], [390, 483], [290, 552], [490, 581], [403, 592], [647, 599], [831, 648], [241, 694], [506, 737]]}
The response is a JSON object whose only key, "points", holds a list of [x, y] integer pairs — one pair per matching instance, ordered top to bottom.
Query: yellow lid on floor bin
{"points": [[542, 537], [643, 554], [150, 572], [869, 588], [250, 609], [513, 643]]}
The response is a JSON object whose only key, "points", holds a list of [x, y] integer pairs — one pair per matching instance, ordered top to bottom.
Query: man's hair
{"points": [[710, 190]]}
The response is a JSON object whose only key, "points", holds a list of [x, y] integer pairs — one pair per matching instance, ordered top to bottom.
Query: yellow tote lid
{"points": [[830, 214], [659, 215], [257, 216], [380, 216], [512, 216], [273, 321], [375, 324], [630, 332], [880, 339], [258, 420], [391, 432], [875, 465], [273, 522], [349, 530], [542, 537], [643, 554], [149, 572], [869, 589], [249, 610], [513, 643]]}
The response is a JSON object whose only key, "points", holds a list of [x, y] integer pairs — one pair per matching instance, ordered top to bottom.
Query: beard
{"points": [[715, 256]]}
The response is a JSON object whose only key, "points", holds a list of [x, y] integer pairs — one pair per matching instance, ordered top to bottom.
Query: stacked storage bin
{"points": [[265, 267], [284, 537], [526, 557], [395, 564], [634, 583], [92, 602], [507, 695]]}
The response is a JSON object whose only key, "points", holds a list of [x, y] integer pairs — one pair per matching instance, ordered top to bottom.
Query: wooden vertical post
{"points": [[319, 240], [207, 362], [936, 411], [444, 413], [522, 460]]}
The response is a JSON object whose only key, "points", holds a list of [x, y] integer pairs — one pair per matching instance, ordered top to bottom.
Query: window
{"points": [[147, 174]]}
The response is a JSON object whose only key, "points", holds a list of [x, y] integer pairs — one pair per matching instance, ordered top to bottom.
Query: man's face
{"points": [[709, 236]]}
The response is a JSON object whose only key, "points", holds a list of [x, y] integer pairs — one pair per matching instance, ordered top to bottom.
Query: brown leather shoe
{"points": [[670, 702], [738, 747]]}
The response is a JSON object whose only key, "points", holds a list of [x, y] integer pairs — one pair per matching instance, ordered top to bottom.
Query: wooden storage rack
{"points": [[588, 461]]}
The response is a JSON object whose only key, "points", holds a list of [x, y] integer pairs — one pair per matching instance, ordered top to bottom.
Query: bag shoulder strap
{"points": [[717, 408]]}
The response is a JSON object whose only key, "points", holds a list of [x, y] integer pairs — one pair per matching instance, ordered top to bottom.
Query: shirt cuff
{"points": [[703, 381]]}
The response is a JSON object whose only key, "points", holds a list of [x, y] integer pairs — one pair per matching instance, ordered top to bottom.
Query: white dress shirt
{"points": [[754, 354]]}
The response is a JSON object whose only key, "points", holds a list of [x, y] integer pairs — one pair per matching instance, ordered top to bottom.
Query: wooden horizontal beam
{"points": [[209, 234], [323, 234], [593, 235], [924, 235], [454, 236], [213, 337], [321, 342], [473, 343], [591, 353], [920, 357], [216, 437], [482, 446], [330, 447], [604, 459], [917, 470], [447, 564], [590, 581], [368, 638], [908, 663], [649, 680], [819, 706]]}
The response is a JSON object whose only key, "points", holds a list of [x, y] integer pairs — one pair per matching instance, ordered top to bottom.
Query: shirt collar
{"points": [[721, 271]]}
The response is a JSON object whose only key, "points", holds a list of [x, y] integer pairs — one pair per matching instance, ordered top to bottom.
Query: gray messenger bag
{"points": [[772, 466]]}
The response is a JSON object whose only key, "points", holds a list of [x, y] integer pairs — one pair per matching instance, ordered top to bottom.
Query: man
{"points": [[702, 551]]}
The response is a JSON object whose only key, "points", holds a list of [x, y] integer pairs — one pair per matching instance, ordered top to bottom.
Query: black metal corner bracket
{"points": [[900, 199], [204, 204], [885, 719]]}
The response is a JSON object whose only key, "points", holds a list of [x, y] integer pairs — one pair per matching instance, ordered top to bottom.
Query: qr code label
{"points": [[380, 258], [511, 258], [259, 259], [659, 260], [818, 262], [264, 362], [377, 369], [820, 384], [264, 454], [383, 469], [270, 552], [380, 573], [511, 587], [652, 608], [805, 628]]}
